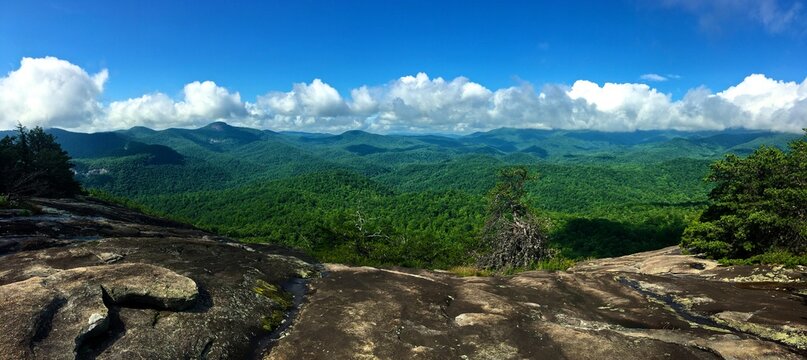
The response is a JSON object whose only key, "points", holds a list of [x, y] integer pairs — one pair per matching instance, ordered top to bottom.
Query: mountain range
{"points": [[607, 193]]}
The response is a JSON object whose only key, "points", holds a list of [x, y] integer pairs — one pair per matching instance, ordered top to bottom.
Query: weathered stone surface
{"points": [[665, 261], [86, 279], [73, 305], [652, 305], [26, 311]]}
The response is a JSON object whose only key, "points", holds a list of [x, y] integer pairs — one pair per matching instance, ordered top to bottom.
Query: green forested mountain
{"points": [[415, 200]]}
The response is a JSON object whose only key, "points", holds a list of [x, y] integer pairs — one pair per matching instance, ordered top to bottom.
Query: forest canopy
{"points": [[415, 201], [758, 205]]}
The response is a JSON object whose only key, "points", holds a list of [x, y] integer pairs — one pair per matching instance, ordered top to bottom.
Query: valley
{"points": [[606, 194]]}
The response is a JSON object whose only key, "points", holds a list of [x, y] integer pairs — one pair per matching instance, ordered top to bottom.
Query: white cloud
{"points": [[653, 77], [50, 92], [53, 92], [757, 93], [315, 99], [206, 100], [203, 102], [364, 103], [418, 103], [769, 103], [317, 106], [623, 106], [153, 110]]}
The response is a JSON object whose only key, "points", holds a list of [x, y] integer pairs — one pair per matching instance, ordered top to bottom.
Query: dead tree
{"points": [[365, 236], [513, 236]]}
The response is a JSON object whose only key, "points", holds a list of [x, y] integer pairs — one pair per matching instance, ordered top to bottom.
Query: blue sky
{"points": [[258, 47]]}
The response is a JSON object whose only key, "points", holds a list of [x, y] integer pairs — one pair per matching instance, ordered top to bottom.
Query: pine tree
{"points": [[32, 163]]}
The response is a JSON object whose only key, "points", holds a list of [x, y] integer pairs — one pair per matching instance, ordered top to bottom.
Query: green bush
{"points": [[757, 206], [780, 257]]}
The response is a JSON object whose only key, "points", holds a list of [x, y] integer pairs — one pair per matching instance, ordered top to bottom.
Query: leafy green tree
{"points": [[33, 164], [758, 204], [513, 236]]}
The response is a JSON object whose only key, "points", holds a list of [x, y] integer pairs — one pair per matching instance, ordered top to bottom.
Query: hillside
{"points": [[608, 194]]}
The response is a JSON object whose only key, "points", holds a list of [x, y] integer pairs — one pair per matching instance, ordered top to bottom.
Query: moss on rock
{"points": [[272, 292], [280, 298], [273, 320]]}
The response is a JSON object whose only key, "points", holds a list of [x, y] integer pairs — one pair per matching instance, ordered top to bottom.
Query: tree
{"points": [[32, 163], [758, 204], [512, 236]]}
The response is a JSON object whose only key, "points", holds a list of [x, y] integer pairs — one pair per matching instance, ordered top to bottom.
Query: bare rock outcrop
{"points": [[87, 279], [76, 305], [653, 305]]}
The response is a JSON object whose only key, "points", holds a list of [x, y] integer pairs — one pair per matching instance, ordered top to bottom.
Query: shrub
{"points": [[757, 205]]}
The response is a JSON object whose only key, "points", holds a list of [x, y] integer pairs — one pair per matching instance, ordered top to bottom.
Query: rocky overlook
{"points": [[87, 279], [652, 305]]}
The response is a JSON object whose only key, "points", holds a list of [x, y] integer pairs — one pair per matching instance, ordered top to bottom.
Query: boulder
{"points": [[87, 279]]}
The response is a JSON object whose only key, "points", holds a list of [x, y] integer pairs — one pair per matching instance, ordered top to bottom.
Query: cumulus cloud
{"points": [[50, 92], [54, 93], [316, 99], [202, 103], [364, 103], [415, 103], [419, 103], [769, 103], [316, 106], [623, 106]]}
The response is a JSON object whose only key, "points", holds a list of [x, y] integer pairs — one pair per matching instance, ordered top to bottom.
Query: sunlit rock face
{"points": [[658, 304]]}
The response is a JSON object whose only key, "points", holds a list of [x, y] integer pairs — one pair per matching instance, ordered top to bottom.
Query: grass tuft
{"points": [[772, 257], [467, 270]]}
